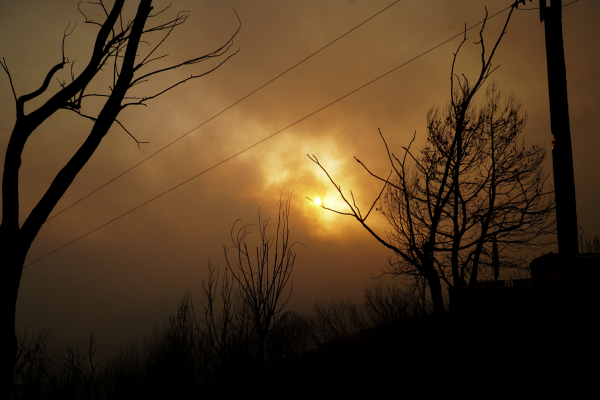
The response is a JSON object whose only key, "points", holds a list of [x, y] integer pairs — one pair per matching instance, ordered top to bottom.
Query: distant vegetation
{"points": [[241, 333], [181, 358]]}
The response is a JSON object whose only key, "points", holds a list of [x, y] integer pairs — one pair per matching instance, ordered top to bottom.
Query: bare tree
{"points": [[116, 49], [473, 194], [588, 244], [262, 275], [335, 319], [218, 327], [290, 336], [44, 370]]}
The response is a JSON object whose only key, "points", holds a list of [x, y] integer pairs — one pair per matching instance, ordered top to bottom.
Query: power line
{"points": [[221, 112], [268, 137]]}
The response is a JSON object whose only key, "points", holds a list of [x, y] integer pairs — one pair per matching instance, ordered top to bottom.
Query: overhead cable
{"points": [[219, 113], [268, 137]]}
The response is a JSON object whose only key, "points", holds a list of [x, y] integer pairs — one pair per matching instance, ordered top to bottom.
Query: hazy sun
{"points": [[318, 201]]}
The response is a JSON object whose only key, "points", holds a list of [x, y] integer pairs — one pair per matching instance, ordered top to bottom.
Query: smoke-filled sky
{"points": [[123, 279]]}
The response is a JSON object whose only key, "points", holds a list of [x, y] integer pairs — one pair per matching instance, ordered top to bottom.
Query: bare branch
{"points": [[161, 11], [180, 19], [87, 21], [65, 34], [5, 67], [137, 81], [23, 99], [129, 133], [379, 196], [330, 209]]}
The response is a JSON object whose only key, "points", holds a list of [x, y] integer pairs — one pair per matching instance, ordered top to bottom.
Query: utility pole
{"points": [[562, 152]]}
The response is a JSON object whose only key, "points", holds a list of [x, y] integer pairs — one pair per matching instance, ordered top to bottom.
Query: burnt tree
{"points": [[116, 49], [473, 193]]}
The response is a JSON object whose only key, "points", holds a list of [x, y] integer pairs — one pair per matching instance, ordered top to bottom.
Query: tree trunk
{"points": [[12, 267], [435, 288], [261, 351]]}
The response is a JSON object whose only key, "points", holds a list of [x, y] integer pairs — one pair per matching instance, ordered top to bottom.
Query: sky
{"points": [[124, 279]]}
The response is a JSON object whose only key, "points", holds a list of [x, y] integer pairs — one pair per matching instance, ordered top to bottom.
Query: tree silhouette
{"points": [[116, 49], [473, 194], [262, 276], [252, 293]]}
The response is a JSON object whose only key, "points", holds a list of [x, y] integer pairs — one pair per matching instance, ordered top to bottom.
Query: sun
{"points": [[318, 201]]}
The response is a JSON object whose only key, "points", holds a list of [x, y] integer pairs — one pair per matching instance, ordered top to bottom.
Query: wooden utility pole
{"points": [[562, 152]]}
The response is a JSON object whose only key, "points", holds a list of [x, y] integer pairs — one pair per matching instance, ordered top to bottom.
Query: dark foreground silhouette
{"points": [[534, 348]]}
